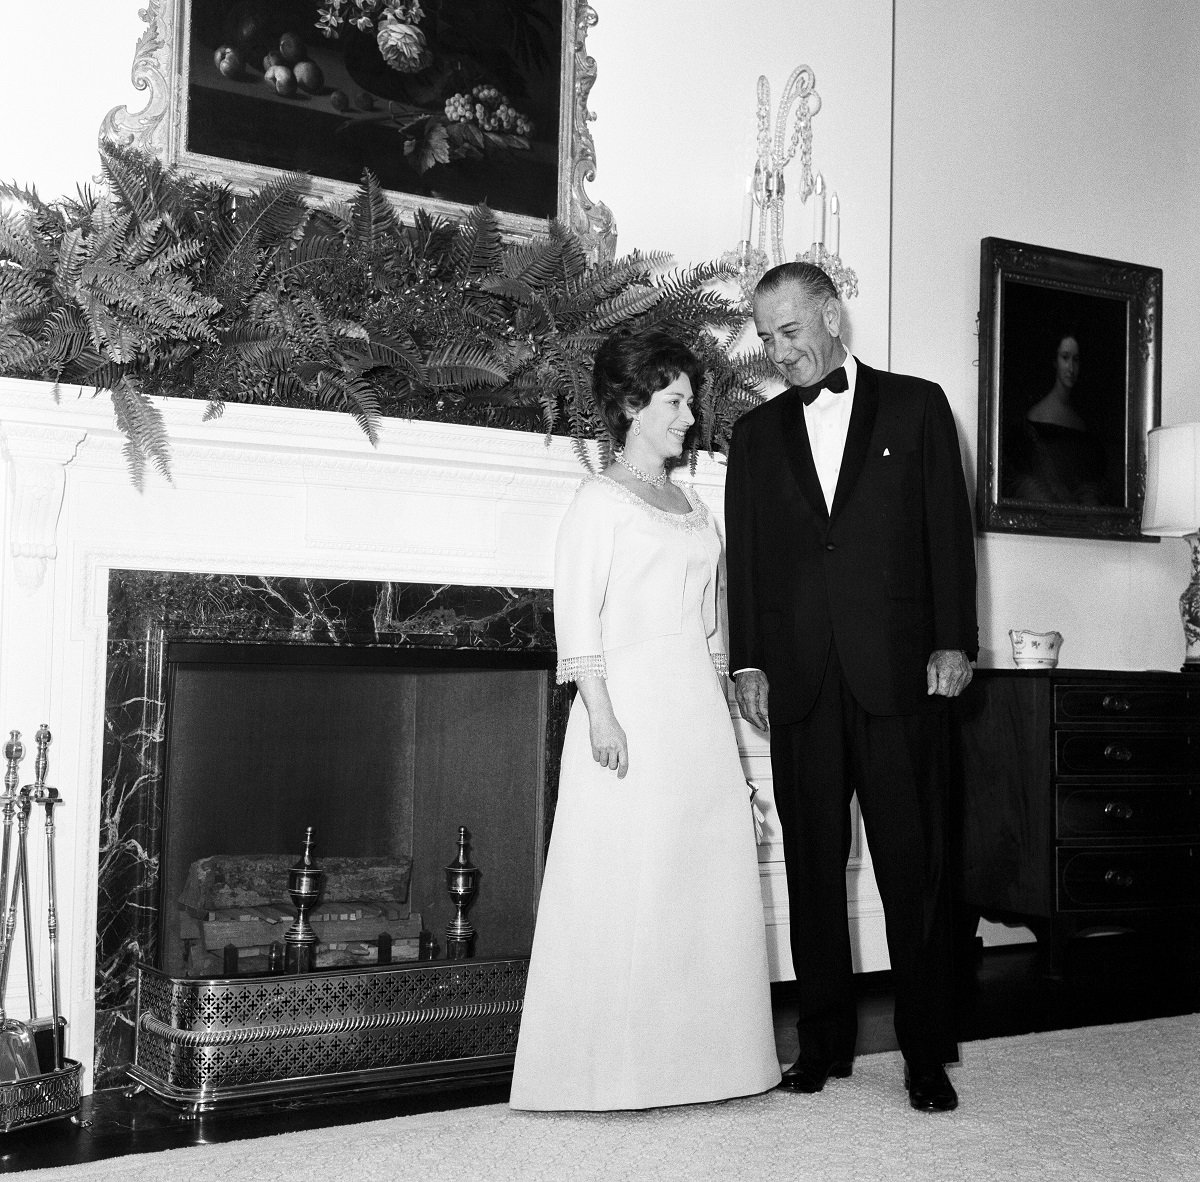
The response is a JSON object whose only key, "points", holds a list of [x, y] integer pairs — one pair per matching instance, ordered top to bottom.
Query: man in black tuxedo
{"points": [[852, 602]]}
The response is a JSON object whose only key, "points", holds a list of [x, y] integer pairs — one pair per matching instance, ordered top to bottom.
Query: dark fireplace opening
{"points": [[384, 752]]}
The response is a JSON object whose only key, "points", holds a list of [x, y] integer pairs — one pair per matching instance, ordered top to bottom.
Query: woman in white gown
{"points": [[648, 981]]}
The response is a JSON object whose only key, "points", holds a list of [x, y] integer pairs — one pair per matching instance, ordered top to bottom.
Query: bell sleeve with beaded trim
{"points": [[582, 562], [719, 622]]}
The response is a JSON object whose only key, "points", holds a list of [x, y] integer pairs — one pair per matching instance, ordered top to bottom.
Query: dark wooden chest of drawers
{"points": [[1080, 799]]}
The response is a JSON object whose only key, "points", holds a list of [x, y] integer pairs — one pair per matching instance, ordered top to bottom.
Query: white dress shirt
{"points": [[827, 418]]}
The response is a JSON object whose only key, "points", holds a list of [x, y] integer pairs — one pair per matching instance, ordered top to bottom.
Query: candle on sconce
{"points": [[748, 209], [818, 222], [834, 242]]}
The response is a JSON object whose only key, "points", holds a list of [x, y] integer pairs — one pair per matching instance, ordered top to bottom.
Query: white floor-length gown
{"points": [[648, 980]]}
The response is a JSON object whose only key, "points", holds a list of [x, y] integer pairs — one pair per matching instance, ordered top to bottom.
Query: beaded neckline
{"points": [[695, 519]]}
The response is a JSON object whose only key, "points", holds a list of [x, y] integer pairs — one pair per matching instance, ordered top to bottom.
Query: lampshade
{"points": [[1172, 506]]}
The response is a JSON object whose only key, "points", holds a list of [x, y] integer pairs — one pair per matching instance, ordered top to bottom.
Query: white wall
{"points": [[65, 67], [1071, 127], [675, 131]]}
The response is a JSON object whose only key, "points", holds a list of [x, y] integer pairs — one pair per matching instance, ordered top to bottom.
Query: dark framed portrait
{"points": [[448, 103], [1070, 353]]}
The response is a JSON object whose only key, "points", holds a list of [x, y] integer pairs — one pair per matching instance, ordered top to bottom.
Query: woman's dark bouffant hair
{"points": [[634, 364]]}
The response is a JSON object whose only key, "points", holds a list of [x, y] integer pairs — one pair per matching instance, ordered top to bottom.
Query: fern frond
{"points": [[134, 180], [24, 195], [275, 213], [373, 222], [108, 232], [18, 244], [145, 244], [478, 247], [312, 253], [72, 257], [177, 257], [573, 258], [543, 262], [689, 279], [508, 287], [18, 292], [624, 307], [165, 309], [64, 338], [19, 352], [395, 355], [268, 356], [463, 365], [755, 367], [355, 395], [549, 410], [141, 422], [581, 453]]}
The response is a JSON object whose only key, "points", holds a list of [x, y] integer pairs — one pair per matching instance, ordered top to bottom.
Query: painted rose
{"points": [[403, 46]]}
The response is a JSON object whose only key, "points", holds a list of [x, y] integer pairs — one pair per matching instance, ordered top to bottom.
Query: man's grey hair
{"points": [[815, 284]]}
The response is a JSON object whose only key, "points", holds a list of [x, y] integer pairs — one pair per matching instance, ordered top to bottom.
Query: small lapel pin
{"points": [[886, 452]]}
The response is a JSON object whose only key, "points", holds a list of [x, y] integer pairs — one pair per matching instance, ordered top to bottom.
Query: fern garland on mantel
{"points": [[163, 284]]}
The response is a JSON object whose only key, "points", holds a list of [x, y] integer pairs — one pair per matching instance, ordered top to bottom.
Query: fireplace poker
{"points": [[14, 752], [45, 795], [24, 804], [18, 1055]]}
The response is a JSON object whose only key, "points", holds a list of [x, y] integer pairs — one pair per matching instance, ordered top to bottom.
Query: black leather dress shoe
{"points": [[809, 1075], [930, 1089]]}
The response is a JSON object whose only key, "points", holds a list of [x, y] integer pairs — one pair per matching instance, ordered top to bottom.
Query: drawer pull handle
{"points": [[1117, 703], [1118, 753], [1119, 812], [1118, 879]]}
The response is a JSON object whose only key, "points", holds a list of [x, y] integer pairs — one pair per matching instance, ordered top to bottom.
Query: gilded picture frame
{"points": [[236, 127], [1070, 354]]}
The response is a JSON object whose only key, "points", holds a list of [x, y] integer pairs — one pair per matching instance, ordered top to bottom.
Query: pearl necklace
{"points": [[653, 481]]}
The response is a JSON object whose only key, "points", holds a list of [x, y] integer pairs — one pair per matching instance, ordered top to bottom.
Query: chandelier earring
{"points": [[637, 425]]}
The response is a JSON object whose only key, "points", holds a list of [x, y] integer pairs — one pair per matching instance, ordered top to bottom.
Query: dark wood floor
{"points": [[1106, 979]]}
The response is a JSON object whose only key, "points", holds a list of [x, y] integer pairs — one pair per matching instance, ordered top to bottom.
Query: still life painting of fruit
{"points": [[450, 99]]}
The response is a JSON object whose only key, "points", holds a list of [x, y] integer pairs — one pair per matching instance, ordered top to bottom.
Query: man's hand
{"points": [[948, 672], [751, 688]]}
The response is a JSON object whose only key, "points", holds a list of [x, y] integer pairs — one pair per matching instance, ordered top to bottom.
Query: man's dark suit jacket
{"points": [[888, 575]]}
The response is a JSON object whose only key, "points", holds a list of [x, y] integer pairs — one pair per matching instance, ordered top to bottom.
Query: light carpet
{"points": [[1102, 1104]]}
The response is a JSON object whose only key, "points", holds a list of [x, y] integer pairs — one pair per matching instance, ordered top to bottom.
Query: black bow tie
{"points": [[835, 381]]}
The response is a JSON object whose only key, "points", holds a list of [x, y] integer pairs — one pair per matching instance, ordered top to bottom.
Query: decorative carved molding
{"points": [[150, 127], [592, 221], [37, 457]]}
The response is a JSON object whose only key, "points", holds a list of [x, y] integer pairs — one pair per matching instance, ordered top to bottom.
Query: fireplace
{"points": [[302, 499], [240, 710]]}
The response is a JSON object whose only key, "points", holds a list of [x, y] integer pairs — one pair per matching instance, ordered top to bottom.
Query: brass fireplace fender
{"points": [[206, 1044]]}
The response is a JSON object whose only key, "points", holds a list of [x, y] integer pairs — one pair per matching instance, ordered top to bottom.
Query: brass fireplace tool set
{"points": [[30, 1091]]}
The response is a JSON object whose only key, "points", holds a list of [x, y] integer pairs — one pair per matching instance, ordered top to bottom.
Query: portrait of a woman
{"points": [[1053, 454]]}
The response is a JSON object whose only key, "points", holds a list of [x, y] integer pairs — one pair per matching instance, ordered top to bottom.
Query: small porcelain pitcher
{"points": [[1035, 650]]}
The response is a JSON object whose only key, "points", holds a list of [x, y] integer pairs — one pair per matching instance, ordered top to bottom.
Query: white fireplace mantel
{"points": [[257, 490]]}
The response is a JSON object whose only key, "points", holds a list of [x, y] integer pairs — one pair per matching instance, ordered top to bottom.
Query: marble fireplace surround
{"points": [[271, 493], [151, 610]]}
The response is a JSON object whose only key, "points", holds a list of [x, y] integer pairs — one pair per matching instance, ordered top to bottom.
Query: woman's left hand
{"points": [[610, 748]]}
